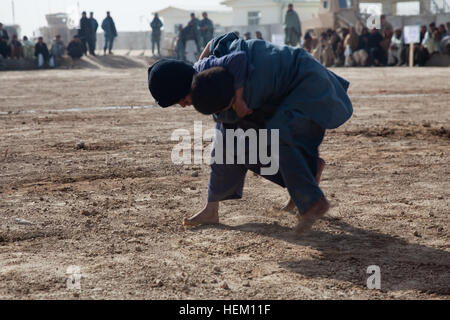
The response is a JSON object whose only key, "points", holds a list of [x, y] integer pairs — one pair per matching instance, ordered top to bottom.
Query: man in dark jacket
{"points": [[156, 26], [194, 27], [109, 28], [206, 29], [85, 31], [3, 32], [92, 39], [180, 46], [16, 48], [75, 48], [5, 49], [41, 49], [376, 52]]}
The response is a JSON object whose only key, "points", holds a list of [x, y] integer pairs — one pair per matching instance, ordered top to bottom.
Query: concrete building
{"points": [[427, 7], [436, 11], [267, 12], [267, 16], [57, 24]]}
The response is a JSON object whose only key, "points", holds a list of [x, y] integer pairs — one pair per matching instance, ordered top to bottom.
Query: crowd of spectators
{"points": [[376, 47], [13, 48], [39, 52]]}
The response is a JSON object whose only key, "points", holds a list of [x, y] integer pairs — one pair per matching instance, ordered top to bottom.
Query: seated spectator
{"points": [[386, 29], [442, 31], [344, 32], [247, 36], [334, 39], [351, 41], [308, 42], [445, 45], [16, 48], [28, 48], [5, 49], [75, 49], [395, 49], [57, 50], [324, 51], [41, 52], [376, 52], [421, 54], [339, 55], [361, 55]]}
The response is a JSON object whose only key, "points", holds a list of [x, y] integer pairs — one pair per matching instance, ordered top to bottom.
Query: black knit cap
{"points": [[169, 81]]}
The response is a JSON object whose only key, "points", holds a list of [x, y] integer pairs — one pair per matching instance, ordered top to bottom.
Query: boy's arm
{"points": [[206, 52], [240, 106]]}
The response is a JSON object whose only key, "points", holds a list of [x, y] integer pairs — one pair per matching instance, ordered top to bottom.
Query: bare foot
{"points": [[320, 167], [290, 206], [314, 213], [209, 215]]}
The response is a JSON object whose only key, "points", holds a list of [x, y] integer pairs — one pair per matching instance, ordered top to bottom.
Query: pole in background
{"points": [[13, 13], [411, 55]]}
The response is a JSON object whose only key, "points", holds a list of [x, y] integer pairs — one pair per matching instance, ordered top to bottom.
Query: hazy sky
{"points": [[129, 15]]}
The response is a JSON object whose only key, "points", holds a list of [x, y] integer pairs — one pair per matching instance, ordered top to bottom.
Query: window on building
{"points": [[325, 4], [345, 4], [440, 6], [371, 8], [410, 8], [254, 17]]}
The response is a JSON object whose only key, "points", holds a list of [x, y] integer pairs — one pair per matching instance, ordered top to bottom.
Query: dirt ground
{"points": [[83, 184]]}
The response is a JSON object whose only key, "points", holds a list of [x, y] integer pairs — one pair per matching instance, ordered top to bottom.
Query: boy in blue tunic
{"points": [[284, 89]]}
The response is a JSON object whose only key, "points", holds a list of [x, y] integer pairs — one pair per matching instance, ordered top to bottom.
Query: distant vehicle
{"points": [[335, 14]]}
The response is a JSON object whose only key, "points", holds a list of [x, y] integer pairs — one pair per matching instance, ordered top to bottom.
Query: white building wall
{"points": [[271, 12]]}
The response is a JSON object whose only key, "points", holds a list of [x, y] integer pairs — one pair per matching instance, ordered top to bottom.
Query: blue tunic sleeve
{"points": [[220, 46]]}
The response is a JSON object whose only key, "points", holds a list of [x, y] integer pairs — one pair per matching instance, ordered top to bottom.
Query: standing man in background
{"points": [[194, 24], [156, 26], [292, 27], [109, 28], [206, 29], [85, 31], [3, 33], [92, 39]]}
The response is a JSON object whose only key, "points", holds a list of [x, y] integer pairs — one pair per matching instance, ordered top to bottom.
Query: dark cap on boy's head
{"points": [[169, 81]]}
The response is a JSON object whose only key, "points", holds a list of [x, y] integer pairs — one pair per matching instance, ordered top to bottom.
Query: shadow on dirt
{"points": [[117, 62], [347, 251]]}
